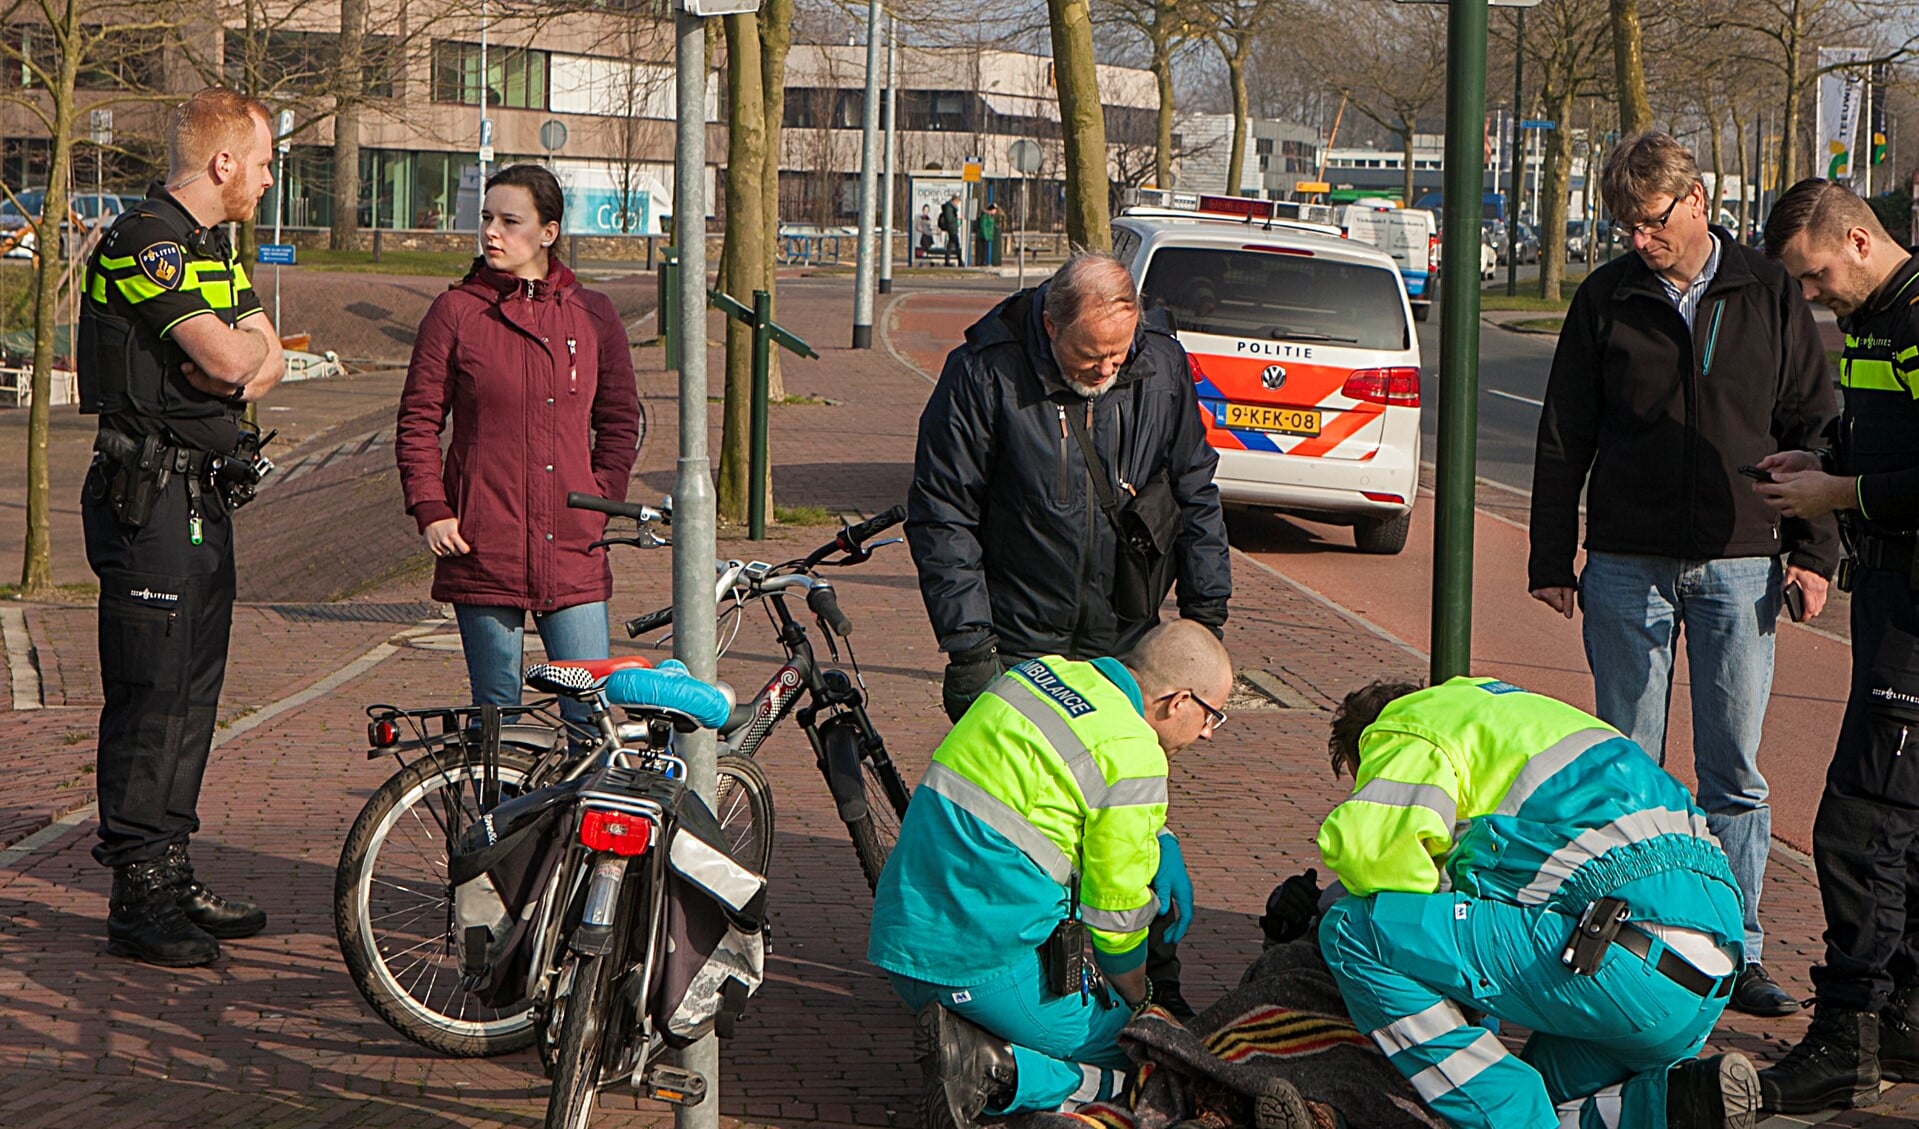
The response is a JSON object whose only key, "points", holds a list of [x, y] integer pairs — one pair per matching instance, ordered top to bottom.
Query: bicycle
{"points": [[866, 785]]}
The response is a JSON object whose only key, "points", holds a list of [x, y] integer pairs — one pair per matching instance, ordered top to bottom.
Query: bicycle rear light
{"points": [[382, 734], [619, 832]]}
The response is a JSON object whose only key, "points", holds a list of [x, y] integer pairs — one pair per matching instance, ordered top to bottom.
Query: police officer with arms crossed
{"points": [[173, 346], [1866, 1022]]}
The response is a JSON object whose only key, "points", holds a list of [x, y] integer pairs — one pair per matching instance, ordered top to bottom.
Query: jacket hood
{"points": [[497, 285], [1017, 321]]}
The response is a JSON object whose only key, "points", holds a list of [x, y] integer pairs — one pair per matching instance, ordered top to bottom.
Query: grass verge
{"points": [[450, 264]]}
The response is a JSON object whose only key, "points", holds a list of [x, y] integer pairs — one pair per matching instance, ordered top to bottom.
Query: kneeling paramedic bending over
{"points": [[1041, 820], [1508, 853]]}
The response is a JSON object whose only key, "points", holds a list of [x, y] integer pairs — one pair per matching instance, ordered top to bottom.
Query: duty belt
{"points": [[1891, 553], [1673, 966]]}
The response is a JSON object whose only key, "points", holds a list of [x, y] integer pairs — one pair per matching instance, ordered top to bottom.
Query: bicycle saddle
{"points": [[578, 678], [668, 689]]}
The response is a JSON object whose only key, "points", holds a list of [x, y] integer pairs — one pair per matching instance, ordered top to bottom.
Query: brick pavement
{"points": [[275, 1034]]}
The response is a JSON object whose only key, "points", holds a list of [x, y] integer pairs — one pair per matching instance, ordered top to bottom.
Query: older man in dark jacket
{"points": [[1679, 365], [1016, 558]]}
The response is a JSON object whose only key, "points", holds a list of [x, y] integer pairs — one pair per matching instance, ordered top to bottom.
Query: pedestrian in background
{"points": [[950, 224], [988, 228], [172, 347], [1679, 364], [534, 371], [1866, 1022]]}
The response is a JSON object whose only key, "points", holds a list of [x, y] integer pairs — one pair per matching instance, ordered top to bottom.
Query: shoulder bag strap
{"points": [[1101, 488]]}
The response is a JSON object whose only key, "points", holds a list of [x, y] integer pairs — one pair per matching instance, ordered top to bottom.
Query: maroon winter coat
{"points": [[539, 384]]}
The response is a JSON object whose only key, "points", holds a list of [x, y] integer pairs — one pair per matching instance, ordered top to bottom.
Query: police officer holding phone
{"points": [[173, 345], [1867, 1021]]}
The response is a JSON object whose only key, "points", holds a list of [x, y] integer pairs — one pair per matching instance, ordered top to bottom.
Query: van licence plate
{"points": [[1261, 417]]}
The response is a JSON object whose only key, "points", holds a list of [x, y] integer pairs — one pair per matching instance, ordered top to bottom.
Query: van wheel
{"points": [[1422, 311], [1384, 536]]}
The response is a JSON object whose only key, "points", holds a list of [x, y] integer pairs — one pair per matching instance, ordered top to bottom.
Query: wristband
{"points": [[1146, 1000]]}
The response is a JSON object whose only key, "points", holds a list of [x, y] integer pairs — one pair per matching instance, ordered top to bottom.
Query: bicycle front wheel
{"points": [[886, 799], [743, 803], [393, 907], [576, 1063]]}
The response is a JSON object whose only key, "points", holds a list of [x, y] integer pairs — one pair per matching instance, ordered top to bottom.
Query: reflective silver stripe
{"points": [[1053, 727], [1546, 764], [1130, 791], [1398, 794], [993, 812], [1633, 827], [713, 870], [1121, 921], [1424, 1027], [1459, 1068], [1607, 1105]]}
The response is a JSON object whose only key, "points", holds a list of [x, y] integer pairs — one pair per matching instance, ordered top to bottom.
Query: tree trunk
{"points": [[776, 37], [1629, 68], [1163, 78], [1236, 79], [349, 83], [1083, 125], [1789, 129], [1406, 136], [1745, 179], [1555, 189], [741, 266], [36, 565]]}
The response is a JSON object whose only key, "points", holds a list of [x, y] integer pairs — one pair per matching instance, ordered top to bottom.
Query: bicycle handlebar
{"points": [[635, 510], [849, 538], [826, 605], [651, 621]]}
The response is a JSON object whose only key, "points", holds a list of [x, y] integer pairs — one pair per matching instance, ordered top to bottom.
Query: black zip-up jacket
{"points": [[1654, 422], [1877, 438], [1002, 519]]}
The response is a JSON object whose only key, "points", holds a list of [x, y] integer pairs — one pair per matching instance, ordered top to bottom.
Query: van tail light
{"points": [[1395, 387], [1390, 499], [615, 831]]}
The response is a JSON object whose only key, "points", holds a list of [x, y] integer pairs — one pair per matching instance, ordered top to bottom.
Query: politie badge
{"points": [[164, 264]]}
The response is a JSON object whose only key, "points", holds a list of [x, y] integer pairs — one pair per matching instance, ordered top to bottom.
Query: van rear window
{"points": [[1269, 296]]}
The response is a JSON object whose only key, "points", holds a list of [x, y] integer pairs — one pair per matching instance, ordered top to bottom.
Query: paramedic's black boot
{"points": [[224, 918], [145, 923], [1899, 1036], [1835, 1066], [966, 1070], [1721, 1092]]}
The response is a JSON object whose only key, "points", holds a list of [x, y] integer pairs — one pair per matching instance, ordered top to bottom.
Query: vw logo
{"points": [[1272, 376]]}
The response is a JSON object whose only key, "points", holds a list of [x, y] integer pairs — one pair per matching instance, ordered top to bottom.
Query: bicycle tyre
{"points": [[743, 803], [875, 833], [392, 839], [576, 1063]]}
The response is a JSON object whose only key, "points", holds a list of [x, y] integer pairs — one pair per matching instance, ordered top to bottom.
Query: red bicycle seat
{"points": [[600, 668]]}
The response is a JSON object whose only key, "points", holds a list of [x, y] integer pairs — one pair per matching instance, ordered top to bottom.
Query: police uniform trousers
{"points": [[166, 611], [1865, 840], [1601, 1044]]}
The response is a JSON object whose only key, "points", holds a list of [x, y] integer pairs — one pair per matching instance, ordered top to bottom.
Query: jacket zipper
{"points": [[572, 364], [1061, 490], [1087, 556]]}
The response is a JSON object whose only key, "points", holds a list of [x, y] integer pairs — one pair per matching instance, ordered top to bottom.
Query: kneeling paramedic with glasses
{"points": [[1042, 821], [1507, 853]]}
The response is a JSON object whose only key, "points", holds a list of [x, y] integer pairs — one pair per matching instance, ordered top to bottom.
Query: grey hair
{"points": [[1089, 279]]}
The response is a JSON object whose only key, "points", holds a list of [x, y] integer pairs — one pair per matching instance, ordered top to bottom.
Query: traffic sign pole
{"points": [[1514, 157]]}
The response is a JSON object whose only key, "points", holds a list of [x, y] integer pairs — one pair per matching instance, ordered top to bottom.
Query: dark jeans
{"points": [[166, 611], [1865, 840]]}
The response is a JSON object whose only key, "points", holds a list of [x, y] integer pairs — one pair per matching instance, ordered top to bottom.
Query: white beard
{"points": [[1092, 391]]}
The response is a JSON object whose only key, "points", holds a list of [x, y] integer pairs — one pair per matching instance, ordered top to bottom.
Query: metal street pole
{"points": [[892, 155], [1512, 178], [869, 185], [479, 225], [1020, 247], [1459, 343], [695, 639]]}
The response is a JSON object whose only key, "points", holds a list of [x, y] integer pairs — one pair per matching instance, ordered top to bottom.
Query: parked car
{"points": [[24, 205], [96, 208], [1528, 243]]}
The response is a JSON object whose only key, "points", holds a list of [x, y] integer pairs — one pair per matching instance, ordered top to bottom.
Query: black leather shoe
{"points": [[225, 918], [145, 923], [1756, 993], [965, 1069], [1721, 1092]]}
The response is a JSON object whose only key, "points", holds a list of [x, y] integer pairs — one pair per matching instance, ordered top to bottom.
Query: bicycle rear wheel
{"points": [[743, 803], [392, 907]]}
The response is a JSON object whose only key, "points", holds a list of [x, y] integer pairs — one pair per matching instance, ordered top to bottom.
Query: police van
{"points": [[1302, 348]]}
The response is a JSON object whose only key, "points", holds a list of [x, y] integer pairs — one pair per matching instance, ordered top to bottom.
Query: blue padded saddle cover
{"points": [[669, 686]]}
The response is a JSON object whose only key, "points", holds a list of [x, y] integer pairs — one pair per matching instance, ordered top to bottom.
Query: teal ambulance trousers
{"points": [[1601, 1044], [1065, 1048]]}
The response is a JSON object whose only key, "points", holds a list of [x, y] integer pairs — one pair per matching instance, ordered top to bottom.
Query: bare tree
{"points": [[1166, 26], [1236, 26], [776, 39], [1568, 41], [1383, 60], [1629, 67], [1082, 123], [741, 267]]}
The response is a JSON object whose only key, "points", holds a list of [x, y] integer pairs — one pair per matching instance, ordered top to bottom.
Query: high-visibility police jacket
{"points": [[1878, 436], [1053, 775], [1480, 787]]}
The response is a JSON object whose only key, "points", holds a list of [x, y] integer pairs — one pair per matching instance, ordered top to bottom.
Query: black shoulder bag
{"points": [[1147, 522]]}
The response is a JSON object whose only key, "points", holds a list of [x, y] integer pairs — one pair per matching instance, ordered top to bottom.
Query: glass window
{"points": [[516, 78], [1279, 297]]}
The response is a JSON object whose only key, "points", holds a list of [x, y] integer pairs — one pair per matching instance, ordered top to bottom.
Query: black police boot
{"points": [[225, 918], [145, 923], [1756, 993], [1899, 1036], [1835, 1066], [966, 1070], [1721, 1092]]}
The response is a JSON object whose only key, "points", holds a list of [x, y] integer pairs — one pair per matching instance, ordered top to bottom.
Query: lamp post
{"points": [[869, 185]]}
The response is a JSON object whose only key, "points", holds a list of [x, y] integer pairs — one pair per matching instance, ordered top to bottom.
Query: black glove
{"points": [[1210, 614], [968, 673], [1291, 908]]}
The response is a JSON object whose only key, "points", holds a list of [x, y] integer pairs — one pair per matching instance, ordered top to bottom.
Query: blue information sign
{"points": [[1537, 123], [275, 254]]}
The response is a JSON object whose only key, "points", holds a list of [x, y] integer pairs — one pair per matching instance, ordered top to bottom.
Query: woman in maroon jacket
{"points": [[534, 371]]}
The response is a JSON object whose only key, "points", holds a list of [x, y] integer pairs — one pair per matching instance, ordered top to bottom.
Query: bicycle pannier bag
{"points": [[501, 864], [715, 932]]}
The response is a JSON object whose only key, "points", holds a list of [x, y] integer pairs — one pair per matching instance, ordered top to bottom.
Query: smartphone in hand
{"points": [[1755, 473], [1795, 599]]}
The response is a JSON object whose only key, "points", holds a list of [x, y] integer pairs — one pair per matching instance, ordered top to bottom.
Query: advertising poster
{"points": [[1840, 93]]}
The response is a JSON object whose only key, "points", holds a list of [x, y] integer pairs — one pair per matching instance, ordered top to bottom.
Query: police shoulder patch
{"points": [[164, 264]]}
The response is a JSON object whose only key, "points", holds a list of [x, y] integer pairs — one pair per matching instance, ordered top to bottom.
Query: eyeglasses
{"points": [[1654, 227], [1215, 717]]}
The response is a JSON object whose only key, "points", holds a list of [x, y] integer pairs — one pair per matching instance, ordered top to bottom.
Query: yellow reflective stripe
{"points": [[108, 262], [240, 279], [97, 288], [139, 288], [176, 321], [1907, 354], [1864, 374], [1859, 495], [1120, 921]]}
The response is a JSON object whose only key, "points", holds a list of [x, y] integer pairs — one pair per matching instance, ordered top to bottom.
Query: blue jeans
{"points": [[1634, 609], [491, 637], [1065, 1048]]}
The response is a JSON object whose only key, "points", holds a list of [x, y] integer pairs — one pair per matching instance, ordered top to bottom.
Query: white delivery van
{"points": [[1408, 235]]}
